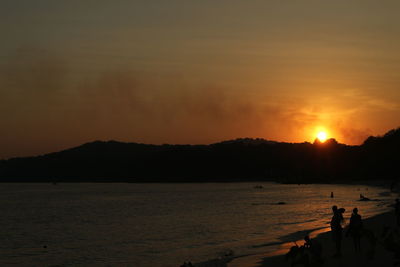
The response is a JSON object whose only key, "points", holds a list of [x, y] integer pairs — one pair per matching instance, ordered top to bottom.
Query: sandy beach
{"points": [[369, 256]]}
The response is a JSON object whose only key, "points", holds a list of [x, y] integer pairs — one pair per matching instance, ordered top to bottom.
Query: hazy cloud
{"points": [[46, 105]]}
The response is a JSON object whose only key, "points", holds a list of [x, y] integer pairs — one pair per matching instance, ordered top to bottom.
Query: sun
{"points": [[322, 136]]}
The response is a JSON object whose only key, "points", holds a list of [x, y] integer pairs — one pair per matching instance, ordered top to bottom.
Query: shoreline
{"points": [[277, 256], [349, 257]]}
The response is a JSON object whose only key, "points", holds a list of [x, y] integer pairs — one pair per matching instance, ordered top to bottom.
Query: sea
{"points": [[127, 224]]}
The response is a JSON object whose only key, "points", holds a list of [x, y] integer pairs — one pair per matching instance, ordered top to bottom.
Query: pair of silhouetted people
{"points": [[337, 229], [355, 229]]}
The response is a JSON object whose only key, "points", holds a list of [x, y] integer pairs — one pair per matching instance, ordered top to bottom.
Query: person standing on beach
{"points": [[355, 228], [337, 229]]}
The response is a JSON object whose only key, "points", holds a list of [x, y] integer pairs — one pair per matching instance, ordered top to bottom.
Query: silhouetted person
{"points": [[331, 194], [397, 211], [336, 227], [355, 229], [315, 249], [298, 256]]}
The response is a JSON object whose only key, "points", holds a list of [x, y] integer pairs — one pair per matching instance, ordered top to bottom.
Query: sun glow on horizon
{"points": [[322, 136]]}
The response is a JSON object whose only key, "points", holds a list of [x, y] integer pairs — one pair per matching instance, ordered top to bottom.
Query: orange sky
{"points": [[195, 72]]}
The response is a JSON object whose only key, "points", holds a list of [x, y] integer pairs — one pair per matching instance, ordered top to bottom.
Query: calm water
{"points": [[162, 224]]}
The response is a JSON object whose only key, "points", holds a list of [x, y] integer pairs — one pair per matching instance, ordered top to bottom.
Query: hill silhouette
{"points": [[243, 159]]}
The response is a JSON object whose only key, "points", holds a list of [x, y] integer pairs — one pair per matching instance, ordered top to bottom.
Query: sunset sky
{"points": [[186, 71]]}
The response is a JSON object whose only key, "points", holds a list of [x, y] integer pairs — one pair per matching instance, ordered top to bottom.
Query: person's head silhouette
{"points": [[334, 208], [355, 210]]}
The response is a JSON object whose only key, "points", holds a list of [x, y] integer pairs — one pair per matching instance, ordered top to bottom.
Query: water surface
{"points": [[163, 224]]}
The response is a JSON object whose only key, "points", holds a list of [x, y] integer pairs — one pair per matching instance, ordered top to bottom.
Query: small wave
{"points": [[368, 199], [261, 203], [269, 203], [289, 223], [298, 235]]}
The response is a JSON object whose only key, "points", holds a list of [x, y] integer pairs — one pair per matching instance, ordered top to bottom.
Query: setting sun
{"points": [[322, 136]]}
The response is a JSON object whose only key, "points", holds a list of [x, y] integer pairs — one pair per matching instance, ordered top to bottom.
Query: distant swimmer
{"points": [[363, 198]]}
